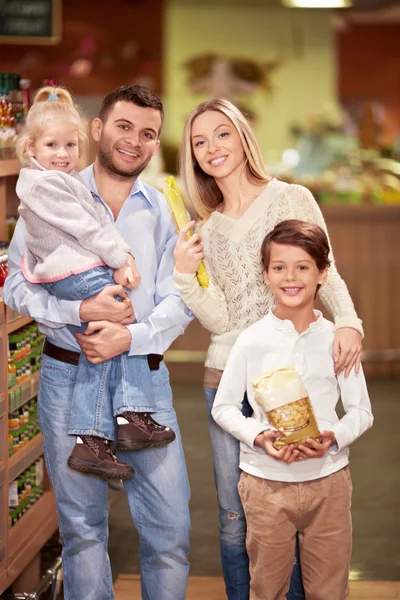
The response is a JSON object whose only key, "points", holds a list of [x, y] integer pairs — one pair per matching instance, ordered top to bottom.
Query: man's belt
{"points": [[72, 358]]}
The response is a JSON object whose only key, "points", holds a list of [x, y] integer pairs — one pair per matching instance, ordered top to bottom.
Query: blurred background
{"points": [[320, 82]]}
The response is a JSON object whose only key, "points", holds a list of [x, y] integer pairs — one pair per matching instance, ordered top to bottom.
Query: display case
{"points": [[22, 538]]}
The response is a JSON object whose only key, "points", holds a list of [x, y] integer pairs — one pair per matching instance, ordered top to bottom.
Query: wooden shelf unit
{"points": [[9, 169], [17, 323], [20, 461], [29, 535], [20, 544]]}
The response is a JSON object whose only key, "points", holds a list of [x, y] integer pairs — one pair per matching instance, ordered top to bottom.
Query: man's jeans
{"points": [[110, 388], [158, 497], [235, 562]]}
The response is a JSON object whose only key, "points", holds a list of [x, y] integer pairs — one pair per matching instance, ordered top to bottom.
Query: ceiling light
{"points": [[317, 3]]}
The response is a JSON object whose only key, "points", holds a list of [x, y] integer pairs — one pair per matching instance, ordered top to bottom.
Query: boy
{"points": [[304, 490]]}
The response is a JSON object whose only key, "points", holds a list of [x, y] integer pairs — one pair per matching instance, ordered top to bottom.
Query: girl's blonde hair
{"points": [[51, 105], [201, 188]]}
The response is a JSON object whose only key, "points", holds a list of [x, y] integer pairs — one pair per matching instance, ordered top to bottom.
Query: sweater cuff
{"points": [[118, 258], [184, 281], [352, 322]]}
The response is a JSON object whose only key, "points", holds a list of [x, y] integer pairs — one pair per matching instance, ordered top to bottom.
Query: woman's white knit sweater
{"points": [[237, 295]]}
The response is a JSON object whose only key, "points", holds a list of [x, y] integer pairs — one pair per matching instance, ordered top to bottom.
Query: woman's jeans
{"points": [[112, 387], [235, 562]]}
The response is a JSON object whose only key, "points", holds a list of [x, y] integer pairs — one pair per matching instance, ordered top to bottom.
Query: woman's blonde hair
{"points": [[51, 104], [202, 190]]}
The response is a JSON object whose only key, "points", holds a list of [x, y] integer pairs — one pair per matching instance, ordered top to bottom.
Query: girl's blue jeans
{"points": [[112, 387]]}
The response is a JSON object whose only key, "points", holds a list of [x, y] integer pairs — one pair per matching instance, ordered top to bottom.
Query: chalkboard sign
{"points": [[30, 21]]}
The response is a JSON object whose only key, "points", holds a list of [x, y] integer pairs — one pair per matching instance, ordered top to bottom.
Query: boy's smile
{"points": [[291, 291]]}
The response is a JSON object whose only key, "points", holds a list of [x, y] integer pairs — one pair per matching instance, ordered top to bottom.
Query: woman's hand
{"points": [[188, 252], [347, 348], [265, 440]]}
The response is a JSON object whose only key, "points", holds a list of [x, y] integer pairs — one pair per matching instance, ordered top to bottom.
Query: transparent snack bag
{"points": [[180, 216], [284, 399]]}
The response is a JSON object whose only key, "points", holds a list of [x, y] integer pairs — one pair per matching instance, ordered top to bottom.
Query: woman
{"points": [[238, 204]]}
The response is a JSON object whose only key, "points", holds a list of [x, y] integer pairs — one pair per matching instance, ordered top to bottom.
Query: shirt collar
{"points": [[137, 188], [287, 325]]}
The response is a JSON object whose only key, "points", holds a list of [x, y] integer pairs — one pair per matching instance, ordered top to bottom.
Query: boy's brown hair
{"points": [[293, 232]]}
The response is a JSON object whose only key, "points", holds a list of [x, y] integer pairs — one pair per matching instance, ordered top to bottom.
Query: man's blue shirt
{"points": [[146, 224]]}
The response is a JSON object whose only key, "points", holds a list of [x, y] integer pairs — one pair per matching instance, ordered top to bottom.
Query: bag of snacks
{"points": [[180, 216], [283, 397]]}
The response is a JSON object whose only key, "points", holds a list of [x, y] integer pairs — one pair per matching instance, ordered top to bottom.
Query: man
{"points": [[127, 132]]}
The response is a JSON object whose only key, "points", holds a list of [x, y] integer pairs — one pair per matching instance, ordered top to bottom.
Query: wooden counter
{"points": [[366, 245]]}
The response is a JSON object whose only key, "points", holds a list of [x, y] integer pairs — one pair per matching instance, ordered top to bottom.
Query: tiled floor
{"points": [[375, 463], [127, 587]]}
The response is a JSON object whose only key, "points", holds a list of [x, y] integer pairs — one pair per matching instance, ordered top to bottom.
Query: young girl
{"points": [[238, 204], [72, 245], [284, 492]]}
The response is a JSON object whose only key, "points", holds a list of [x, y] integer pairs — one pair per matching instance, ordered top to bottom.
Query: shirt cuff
{"points": [[69, 312], [352, 322], [140, 344], [250, 429], [341, 436]]}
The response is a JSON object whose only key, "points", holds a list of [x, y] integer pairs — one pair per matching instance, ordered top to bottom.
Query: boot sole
{"points": [[127, 445], [89, 469]]}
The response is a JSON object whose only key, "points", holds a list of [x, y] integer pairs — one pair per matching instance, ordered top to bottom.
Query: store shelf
{"points": [[9, 167], [2, 312], [17, 323], [20, 394], [2, 405], [25, 457], [2, 473], [29, 534]]}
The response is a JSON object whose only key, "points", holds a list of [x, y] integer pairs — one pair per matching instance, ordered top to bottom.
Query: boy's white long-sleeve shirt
{"points": [[271, 344]]}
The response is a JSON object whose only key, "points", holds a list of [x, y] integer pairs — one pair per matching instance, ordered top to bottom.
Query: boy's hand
{"points": [[128, 276], [266, 440], [313, 449]]}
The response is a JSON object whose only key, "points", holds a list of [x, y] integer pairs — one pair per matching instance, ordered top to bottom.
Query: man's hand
{"points": [[105, 306], [111, 340], [347, 346], [266, 440], [313, 449]]}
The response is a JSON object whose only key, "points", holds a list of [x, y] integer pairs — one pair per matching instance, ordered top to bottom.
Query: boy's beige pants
{"points": [[320, 511]]}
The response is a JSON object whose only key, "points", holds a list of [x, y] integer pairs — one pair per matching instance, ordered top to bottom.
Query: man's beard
{"points": [[105, 159]]}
